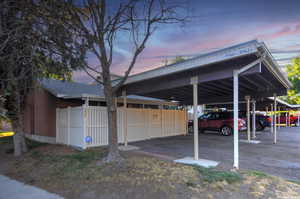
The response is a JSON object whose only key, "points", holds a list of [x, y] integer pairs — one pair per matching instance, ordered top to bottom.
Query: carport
{"points": [[229, 74], [268, 104], [263, 105]]}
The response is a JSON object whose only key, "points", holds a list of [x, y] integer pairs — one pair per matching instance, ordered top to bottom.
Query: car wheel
{"points": [[259, 127], [226, 131]]}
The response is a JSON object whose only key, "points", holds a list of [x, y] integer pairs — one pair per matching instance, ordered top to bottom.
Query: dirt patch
{"points": [[75, 174]]}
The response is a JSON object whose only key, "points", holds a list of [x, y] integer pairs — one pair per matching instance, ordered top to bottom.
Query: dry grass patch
{"points": [[58, 168], [75, 174]]}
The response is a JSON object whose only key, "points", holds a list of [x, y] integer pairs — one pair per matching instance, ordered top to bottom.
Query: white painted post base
{"points": [[251, 141], [128, 148], [200, 162]]}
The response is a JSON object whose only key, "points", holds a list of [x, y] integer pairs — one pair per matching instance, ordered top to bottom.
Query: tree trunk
{"points": [[20, 146], [113, 153]]}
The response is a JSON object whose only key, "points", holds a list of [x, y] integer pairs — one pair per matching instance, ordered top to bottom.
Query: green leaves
{"points": [[293, 71]]}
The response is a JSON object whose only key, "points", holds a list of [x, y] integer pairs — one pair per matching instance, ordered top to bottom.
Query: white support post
{"points": [[194, 81], [247, 98], [86, 102], [84, 106], [236, 109], [267, 110], [272, 117], [278, 117], [125, 118], [275, 118], [298, 118], [235, 119], [253, 119], [286, 119], [289, 119], [186, 120], [69, 124], [84, 145]]}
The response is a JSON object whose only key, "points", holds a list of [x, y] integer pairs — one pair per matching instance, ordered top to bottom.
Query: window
{"points": [[206, 116], [216, 116]]}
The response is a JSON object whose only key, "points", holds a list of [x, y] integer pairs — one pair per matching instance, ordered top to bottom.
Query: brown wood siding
{"points": [[40, 112], [44, 113]]}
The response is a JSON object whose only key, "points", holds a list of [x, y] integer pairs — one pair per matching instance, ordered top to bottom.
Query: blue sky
{"points": [[213, 25]]}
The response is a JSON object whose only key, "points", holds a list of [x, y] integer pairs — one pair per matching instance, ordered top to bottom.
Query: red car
{"points": [[283, 119], [218, 121]]}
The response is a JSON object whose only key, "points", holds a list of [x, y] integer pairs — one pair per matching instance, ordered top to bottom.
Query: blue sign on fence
{"points": [[88, 139]]}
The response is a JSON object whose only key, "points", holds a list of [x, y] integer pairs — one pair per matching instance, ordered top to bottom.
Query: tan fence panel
{"points": [[168, 122], [181, 122], [155, 123], [75, 124], [137, 124], [62, 126], [69, 126], [96, 126], [76, 137]]}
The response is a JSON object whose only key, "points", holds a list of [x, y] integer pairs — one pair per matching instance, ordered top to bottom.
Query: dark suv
{"points": [[218, 121], [261, 123]]}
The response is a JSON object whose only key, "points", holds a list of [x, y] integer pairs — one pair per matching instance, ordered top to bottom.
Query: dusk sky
{"points": [[214, 25]]}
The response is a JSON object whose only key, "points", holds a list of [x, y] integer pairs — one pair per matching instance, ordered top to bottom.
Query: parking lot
{"points": [[281, 159]]}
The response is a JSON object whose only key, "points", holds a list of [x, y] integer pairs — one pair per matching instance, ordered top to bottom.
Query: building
{"points": [[55, 113]]}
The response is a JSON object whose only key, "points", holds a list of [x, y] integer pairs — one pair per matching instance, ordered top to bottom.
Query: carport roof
{"points": [[215, 76], [284, 103]]}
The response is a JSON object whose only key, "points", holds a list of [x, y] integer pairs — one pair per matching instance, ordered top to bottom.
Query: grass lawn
{"points": [[75, 174]]}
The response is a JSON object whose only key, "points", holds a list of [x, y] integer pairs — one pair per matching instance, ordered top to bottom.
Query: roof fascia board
{"points": [[213, 57], [273, 66], [59, 95], [129, 100], [135, 101], [285, 103]]}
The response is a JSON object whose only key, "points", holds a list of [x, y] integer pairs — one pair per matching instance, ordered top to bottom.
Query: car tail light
{"points": [[242, 122]]}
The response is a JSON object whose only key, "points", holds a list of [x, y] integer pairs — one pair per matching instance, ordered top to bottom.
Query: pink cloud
{"points": [[287, 30], [195, 45], [153, 55], [81, 76]]}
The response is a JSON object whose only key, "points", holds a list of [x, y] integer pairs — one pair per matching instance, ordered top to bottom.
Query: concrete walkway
{"points": [[13, 189]]}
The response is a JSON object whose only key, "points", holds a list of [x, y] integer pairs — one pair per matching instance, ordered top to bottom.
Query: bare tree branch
{"points": [[94, 27]]}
